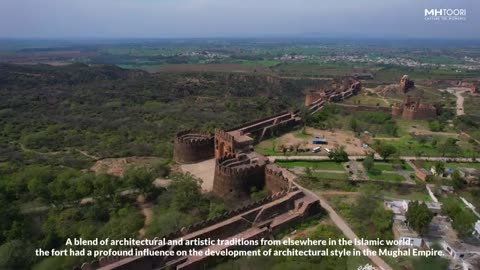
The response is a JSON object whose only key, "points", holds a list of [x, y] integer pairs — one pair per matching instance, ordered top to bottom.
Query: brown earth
{"points": [[335, 138], [117, 166]]}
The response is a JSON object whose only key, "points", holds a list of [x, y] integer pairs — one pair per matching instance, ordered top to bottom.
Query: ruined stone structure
{"points": [[406, 84], [339, 90], [414, 109], [240, 139], [229, 143], [191, 146], [236, 175], [257, 220]]}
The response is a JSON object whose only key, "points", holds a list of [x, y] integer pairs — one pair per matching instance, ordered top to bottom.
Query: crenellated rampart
{"points": [[191, 146], [236, 175], [275, 181]]}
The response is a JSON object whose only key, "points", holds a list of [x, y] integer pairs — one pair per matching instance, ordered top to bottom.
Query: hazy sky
{"points": [[232, 18]]}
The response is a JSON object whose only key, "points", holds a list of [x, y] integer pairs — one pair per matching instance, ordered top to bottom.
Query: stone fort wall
{"points": [[364, 108], [224, 143], [191, 146], [274, 180], [235, 182], [229, 224]]}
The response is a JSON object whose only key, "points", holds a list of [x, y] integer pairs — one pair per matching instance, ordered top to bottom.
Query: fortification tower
{"points": [[406, 84], [231, 142], [224, 143], [191, 146], [236, 175], [275, 181]]}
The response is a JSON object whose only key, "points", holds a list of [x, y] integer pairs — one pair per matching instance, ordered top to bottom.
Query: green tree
{"points": [[354, 125], [435, 126], [450, 147], [385, 150], [339, 154], [368, 162], [439, 167], [39, 178], [140, 178], [457, 180], [105, 188], [186, 191], [418, 216], [383, 220], [16, 254]]}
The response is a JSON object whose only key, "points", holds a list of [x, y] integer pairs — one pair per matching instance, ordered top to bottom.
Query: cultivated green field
{"points": [[324, 165]]}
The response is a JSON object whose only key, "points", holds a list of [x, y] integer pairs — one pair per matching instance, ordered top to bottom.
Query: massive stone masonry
{"points": [[406, 84], [414, 109], [191, 146]]}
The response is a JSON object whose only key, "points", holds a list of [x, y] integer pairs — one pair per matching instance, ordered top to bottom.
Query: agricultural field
{"points": [[241, 68], [322, 165]]}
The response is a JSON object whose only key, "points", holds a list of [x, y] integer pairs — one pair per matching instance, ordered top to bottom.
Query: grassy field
{"points": [[265, 63], [242, 68], [313, 69], [390, 73], [366, 99], [471, 105], [409, 146], [323, 165], [385, 166], [331, 176], [393, 177], [414, 196]]}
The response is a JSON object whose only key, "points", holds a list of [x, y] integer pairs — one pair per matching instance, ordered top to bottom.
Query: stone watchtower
{"points": [[406, 84], [191, 146], [236, 175]]}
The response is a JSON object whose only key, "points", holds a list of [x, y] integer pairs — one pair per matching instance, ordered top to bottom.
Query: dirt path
{"points": [[460, 100], [25, 149], [87, 154], [147, 212]]}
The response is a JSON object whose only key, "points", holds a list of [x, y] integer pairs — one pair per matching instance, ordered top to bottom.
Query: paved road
{"points": [[457, 159], [339, 222]]}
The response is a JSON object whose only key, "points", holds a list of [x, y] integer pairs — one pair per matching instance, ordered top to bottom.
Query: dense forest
{"points": [[109, 112]]}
